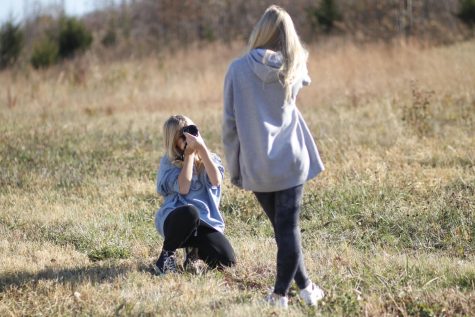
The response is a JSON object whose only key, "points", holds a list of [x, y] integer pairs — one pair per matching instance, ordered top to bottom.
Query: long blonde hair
{"points": [[275, 30], [172, 131]]}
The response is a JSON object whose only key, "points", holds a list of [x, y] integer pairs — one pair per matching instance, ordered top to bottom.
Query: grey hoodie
{"points": [[267, 144]]}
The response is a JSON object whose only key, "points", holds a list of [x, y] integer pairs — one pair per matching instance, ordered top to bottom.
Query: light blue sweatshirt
{"points": [[267, 143], [203, 195]]}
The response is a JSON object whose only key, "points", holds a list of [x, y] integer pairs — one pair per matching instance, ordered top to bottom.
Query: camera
{"points": [[191, 129]]}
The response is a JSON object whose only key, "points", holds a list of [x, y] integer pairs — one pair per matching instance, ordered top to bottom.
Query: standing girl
{"points": [[268, 146], [189, 179]]}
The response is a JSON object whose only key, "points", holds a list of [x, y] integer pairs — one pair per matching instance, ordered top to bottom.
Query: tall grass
{"points": [[388, 228]]}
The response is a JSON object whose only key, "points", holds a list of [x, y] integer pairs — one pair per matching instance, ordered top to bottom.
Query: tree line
{"points": [[136, 26]]}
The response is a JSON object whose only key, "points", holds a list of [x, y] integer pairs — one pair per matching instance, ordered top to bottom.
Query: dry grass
{"points": [[388, 228]]}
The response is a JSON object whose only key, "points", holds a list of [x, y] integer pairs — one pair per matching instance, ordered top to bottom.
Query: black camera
{"points": [[191, 129]]}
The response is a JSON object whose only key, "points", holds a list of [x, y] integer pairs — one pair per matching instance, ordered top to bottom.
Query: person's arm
{"points": [[196, 143], [211, 169], [184, 179]]}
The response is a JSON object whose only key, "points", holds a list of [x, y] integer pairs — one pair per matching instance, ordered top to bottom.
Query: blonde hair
{"points": [[275, 30], [172, 131]]}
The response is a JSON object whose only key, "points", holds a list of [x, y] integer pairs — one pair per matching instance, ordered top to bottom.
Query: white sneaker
{"points": [[312, 294], [277, 300]]}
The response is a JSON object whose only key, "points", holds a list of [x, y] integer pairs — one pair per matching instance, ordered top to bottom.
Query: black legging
{"points": [[283, 209], [182, 228]]}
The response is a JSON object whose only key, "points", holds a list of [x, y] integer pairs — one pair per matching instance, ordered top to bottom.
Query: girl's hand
{"points": [[194, 143], [197, 144], [183, 147]]}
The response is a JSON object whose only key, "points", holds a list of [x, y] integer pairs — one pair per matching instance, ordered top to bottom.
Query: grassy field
{"points": [[388, 228]]}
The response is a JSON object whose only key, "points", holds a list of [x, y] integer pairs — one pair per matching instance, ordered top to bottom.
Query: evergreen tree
{"points": [[11, 43]]}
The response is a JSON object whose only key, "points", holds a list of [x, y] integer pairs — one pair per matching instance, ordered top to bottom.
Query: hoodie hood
{"points": [[265, 64]]}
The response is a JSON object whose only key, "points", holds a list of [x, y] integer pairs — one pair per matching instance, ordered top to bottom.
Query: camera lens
{"points": [[191, 129]]}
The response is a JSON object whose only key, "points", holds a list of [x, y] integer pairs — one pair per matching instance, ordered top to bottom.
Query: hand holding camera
{"points": [[193, 139]]}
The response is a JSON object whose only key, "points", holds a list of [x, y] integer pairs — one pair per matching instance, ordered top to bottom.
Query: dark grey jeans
{"points": [[283, 209]]}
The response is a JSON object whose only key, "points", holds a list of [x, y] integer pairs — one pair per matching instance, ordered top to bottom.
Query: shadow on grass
{"points": [[95, 274]]}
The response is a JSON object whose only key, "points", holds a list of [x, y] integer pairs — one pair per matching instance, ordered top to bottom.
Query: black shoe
{"points": [[166, 263]]}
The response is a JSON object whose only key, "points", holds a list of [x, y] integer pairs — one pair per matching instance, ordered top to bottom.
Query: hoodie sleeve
{"points": [[230, 133]]}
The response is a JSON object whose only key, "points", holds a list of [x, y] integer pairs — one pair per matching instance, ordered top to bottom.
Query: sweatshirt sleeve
{"points": [[230, 133]]}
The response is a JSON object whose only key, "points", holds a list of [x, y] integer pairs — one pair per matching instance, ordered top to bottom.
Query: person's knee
{"points": [[189, 214], [286, 225], [287, 235], [223, 260], [229, 260]]}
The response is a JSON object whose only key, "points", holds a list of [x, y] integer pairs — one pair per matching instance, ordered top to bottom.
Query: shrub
{"points": [[467, 11], [326, 14], [206, 33], [73, 37], [110, 38], [11, 43], [45, 53]]}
